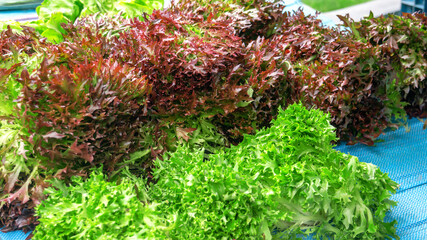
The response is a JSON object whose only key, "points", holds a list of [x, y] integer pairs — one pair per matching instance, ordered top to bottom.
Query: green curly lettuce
{"points": [[286, 177], [98, 209]]}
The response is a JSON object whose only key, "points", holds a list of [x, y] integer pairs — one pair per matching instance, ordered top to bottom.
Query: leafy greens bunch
{"points": [[251, 18], [403, 40], [200, 66], [199, 69], [353, 80], [83, 112], [287, 176], [20, 185], [98, 209]]}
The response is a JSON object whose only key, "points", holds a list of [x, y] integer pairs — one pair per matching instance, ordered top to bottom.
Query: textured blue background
{"points": [[403, 155], [16, 235]]}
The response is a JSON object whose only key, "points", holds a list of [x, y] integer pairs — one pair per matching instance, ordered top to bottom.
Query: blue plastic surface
{"points": [[403, 155], [15, 235]]}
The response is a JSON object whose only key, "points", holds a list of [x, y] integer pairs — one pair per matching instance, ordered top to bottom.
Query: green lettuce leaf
{"points": [[53, 13]]}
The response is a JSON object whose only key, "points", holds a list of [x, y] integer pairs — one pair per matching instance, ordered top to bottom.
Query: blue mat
{"points": [[403, 155], [15, 235]]}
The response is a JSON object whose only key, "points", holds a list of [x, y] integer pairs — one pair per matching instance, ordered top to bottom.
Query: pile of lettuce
{"points": [[189, 101], [284, 181], [100, 209]]}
